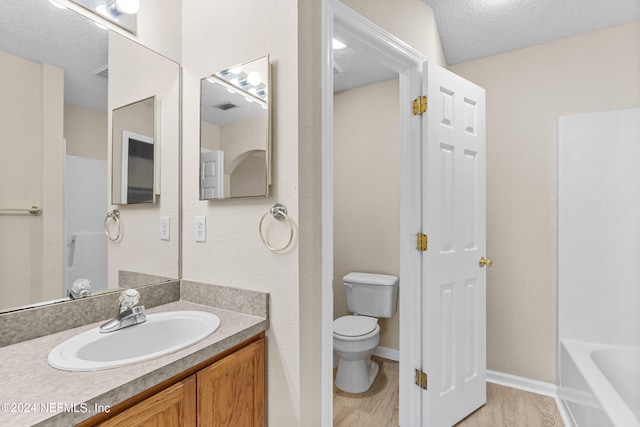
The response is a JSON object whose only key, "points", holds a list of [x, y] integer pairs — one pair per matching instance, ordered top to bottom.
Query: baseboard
{"points": [[387, 353], [522, 383], [533, 386]]}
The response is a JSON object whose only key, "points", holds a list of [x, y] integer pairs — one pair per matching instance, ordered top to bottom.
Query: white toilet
{"points": [[369, 296]]}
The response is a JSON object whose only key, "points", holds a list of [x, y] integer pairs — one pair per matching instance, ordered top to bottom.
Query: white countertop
{"points": [[33, 392]]}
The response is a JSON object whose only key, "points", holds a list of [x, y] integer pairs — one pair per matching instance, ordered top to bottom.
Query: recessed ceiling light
{"points": [[337, 45]]}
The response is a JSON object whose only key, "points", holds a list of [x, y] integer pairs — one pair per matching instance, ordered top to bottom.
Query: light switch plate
{"points": [[165, 228], [201, 229]]}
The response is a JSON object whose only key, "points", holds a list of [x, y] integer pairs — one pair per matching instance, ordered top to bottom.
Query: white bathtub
{"points": [[600, 384]]}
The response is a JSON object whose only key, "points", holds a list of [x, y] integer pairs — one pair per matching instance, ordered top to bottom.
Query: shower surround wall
{"points": [[599, 227], [599, 268]]}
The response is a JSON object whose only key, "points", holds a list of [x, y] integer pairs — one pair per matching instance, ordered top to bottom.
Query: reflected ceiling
{"points": [[50, 45]]}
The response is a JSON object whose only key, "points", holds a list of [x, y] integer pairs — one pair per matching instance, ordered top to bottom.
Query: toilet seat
{"points": [[355, 327]]}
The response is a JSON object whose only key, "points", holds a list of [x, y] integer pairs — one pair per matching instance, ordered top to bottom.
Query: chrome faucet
{"points": [[81, 288], [130, 314]]}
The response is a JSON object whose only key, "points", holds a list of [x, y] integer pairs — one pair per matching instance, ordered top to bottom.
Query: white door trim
{"points": [[407, 61]]}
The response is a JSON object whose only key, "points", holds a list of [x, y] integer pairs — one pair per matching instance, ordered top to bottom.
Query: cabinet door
{"points": [[231, 392], [172, 407]]}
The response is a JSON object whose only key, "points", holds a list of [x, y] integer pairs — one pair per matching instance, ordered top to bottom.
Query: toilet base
{"points": [[356, 376]]}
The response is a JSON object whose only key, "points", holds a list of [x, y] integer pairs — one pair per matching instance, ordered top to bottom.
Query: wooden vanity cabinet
{"points": [[228, 390], [231, 392], [175, 406]]}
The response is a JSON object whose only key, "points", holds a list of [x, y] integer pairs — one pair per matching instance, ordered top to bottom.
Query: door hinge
{"points": [[419, 105], [421, 242], [421, 379]]}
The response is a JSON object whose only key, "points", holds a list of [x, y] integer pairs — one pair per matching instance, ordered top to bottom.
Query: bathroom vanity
{"points": [[218, 380], [228, 389]]}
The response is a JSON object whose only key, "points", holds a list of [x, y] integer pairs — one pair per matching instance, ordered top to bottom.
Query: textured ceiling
{"points": [[471, 29], [37, 31], [353, 67], [213, 95]]}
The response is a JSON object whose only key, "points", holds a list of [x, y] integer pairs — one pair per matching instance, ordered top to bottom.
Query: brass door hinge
{"points": [[419, 105], [421, 242], [421, 379]]}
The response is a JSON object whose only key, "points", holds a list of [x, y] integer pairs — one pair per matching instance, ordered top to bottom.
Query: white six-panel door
{"points": [[212, 174], [454, 308]]}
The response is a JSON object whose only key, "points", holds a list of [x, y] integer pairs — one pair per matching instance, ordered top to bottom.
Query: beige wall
{"points": [[290, 32], [137, 73], [527, 90], [31, 130], [85, 131], [209, 136], [242, 136], [244, 171], [245, 175], [248, 178], [52, 181], [366, 200], [233, 254]]}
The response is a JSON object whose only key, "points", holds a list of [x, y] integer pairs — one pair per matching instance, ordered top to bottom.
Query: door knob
{"points": [[485, 261]]}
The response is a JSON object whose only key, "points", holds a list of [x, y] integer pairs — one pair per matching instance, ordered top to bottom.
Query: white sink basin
{"points": [[161, 334]]}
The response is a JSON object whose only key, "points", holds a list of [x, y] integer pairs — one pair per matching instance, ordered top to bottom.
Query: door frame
{"points": [[408, 62]]}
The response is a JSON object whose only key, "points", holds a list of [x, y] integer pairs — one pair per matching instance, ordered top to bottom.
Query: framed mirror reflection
{"points": [[62, 76], [235, 132], [134, 146]]}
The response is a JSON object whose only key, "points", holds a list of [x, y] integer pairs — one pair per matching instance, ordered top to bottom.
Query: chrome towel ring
{"points": [[279, 212], [115, 216]]}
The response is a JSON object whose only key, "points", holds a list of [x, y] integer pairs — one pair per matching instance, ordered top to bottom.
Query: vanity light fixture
{"points": [[56, 4], [118, 7], [114, 8], [102, 10], [123, 13], [338, 45], [254, 78], [251, 93]]}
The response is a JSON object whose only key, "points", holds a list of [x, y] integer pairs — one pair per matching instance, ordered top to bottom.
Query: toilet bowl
{"points": [[369, 296], [354, 337]]}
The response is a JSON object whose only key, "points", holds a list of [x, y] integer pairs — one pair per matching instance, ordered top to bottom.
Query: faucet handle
{"points": [[128, 298]]}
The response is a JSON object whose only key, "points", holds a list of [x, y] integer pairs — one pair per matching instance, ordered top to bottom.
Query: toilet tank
{"points": [[373, 295]]}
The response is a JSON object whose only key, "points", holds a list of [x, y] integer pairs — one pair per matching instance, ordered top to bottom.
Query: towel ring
{"points": [[279, 212], [113, 215]]}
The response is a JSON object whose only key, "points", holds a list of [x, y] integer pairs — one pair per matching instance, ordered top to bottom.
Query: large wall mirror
{"points": [[62, 75], [235, 141]]}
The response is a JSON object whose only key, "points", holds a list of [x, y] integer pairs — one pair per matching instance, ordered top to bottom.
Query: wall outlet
{"points": [[165, 228], [201, 229]]}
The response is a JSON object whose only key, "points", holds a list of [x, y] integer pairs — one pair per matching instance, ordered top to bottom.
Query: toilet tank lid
{"points": [[370, 279]]}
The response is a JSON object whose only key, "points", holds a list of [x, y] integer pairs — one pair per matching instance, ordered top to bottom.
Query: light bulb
{"points": [[56, 4], [128, 6], [337, 45], [236, 70], [254, 78]]}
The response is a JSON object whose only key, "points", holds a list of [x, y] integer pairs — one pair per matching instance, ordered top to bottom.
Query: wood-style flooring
{"points": [[378, 407]]}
